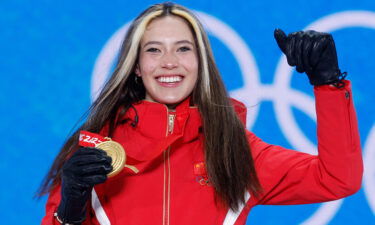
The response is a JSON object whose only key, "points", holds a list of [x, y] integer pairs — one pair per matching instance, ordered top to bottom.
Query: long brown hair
{"points": [[230, 166]]}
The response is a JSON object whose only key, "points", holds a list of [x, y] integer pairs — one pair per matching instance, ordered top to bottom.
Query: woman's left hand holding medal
{"points": [[84, 169]]}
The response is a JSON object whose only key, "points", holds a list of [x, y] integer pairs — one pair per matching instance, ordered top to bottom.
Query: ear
{"points": [[137, 70]]}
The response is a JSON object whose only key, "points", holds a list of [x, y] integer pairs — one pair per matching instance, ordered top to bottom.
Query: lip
{"points": [[169, 75]]}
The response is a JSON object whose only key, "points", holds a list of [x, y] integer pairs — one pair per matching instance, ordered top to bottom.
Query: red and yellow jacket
{"points": [[171, 187]]}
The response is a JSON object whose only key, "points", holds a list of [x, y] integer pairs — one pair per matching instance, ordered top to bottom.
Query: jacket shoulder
{"points": [[240, 110]]}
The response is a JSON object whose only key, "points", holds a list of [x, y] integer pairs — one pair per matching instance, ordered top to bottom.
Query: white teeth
{"points": [[169, 79]]}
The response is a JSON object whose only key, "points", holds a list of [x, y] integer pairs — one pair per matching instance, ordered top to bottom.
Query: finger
{"points": [[281, 39], [307, 46], [318, 47], [331, 48], [290, 49], [299, 51], [89, 151], [90, 159], [94, 170], [83, 172], [82, 175], [94, 179], [73, 182], [75, 189]]}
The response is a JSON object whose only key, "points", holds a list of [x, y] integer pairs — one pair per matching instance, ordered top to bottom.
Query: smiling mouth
{"points": [[169, 79]]}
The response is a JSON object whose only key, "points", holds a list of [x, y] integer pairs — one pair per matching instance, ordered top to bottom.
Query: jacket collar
{"points": [[153, 119], [150, 136]]}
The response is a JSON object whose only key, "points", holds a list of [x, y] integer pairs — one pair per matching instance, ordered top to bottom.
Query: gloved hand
{"points": [[311, 52], [84, 169]]}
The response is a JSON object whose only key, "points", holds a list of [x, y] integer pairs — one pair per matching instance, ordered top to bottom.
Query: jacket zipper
{"points": [[347, 96], [167, 177]]}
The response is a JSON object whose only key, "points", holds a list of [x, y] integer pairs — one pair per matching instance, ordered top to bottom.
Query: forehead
{"points": [[168, 28]]}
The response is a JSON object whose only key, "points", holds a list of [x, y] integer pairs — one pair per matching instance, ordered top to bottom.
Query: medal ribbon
{"points": [[88, 139]]}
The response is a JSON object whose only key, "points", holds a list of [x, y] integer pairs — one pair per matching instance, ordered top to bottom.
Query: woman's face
{"points": [[168, 62]]}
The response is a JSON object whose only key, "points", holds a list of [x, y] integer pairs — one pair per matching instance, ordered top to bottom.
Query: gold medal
{"points": [[118, 155]]}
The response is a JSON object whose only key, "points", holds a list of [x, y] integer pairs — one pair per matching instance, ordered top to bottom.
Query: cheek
{"points": [[191, 63], [147, 65], [149, 68]]}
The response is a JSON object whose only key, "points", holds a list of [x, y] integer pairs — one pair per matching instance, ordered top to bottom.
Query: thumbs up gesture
{"points": [[311, 52]]}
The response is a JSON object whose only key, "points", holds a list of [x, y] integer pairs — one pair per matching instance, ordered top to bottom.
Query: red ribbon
{"points": [[88, 139]]}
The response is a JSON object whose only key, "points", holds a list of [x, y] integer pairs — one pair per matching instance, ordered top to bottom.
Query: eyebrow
{"points": [[160, 43]]}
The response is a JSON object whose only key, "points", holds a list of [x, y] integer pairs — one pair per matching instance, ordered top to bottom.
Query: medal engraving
{"points": [[112, 148], [116, 152]]}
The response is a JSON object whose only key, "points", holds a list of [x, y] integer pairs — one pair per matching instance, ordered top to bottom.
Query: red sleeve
{"points": [[291, 177], [51, 207]]}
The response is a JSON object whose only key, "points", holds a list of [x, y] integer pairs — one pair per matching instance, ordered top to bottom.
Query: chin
{"points": [[171, 101]]}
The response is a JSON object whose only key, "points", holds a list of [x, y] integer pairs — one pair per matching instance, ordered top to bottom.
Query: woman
{"points": [[194, 162]]}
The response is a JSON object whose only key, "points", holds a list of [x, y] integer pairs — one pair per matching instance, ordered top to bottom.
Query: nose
{"points": [[169, 61]]}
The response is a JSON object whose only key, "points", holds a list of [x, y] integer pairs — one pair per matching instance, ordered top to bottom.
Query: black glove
{"points": [[311, 52], [86, 168]]}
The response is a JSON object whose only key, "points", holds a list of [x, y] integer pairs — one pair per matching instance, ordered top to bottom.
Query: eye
{"points": [[184, 49], [152, 50]]}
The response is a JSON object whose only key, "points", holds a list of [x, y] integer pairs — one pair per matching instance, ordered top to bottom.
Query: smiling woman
{"points": [[168, 61], [186, 155]]}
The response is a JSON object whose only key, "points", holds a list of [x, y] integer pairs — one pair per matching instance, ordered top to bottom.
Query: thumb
{"points": [[281, 39]]}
